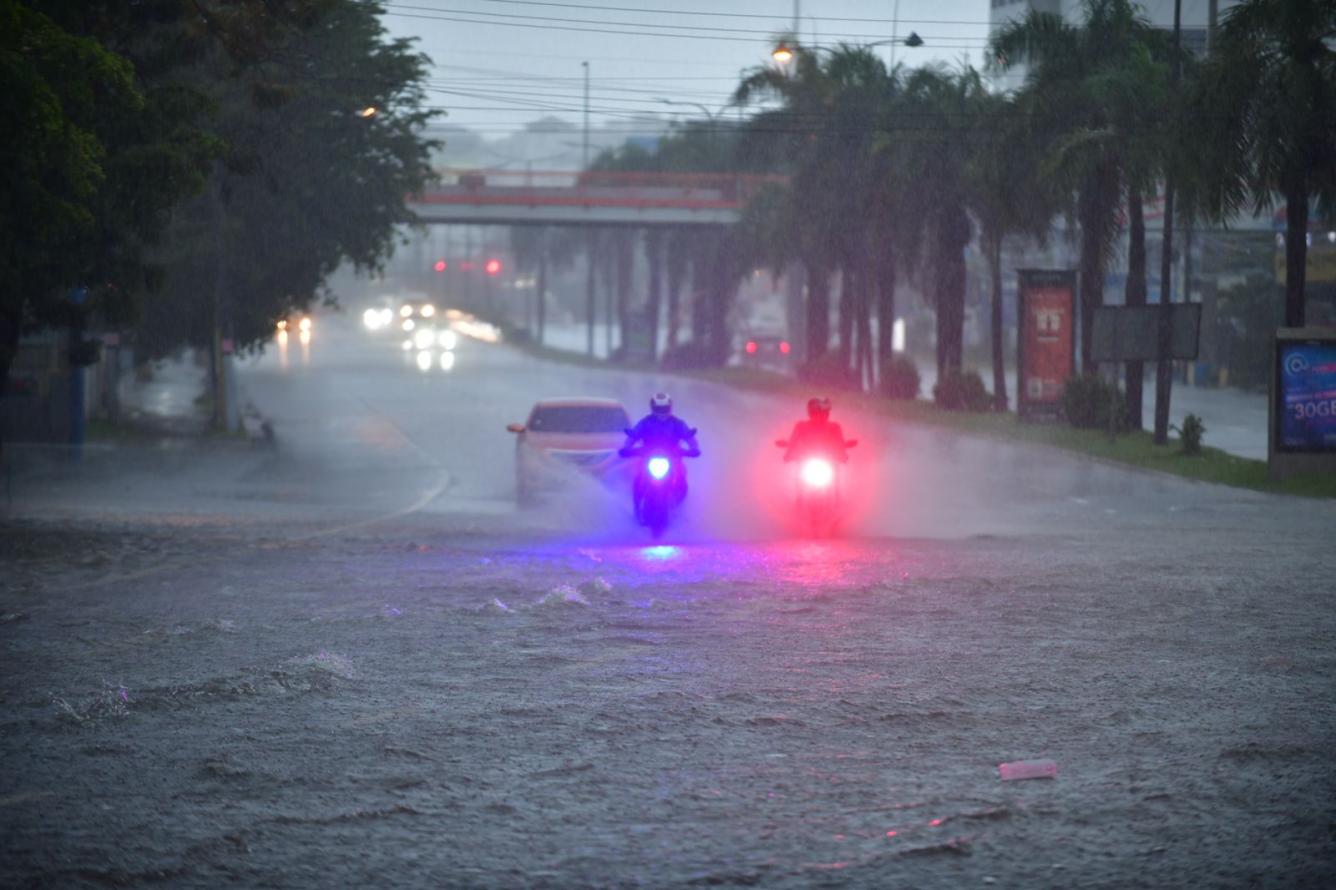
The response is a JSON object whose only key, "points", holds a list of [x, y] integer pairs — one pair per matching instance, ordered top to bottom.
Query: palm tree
{"points": [[1075, 71], [1267, 99], [937, 138], [1009, 195], [837, 211]]}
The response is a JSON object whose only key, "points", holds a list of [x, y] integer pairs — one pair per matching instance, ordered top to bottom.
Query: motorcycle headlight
{"points": [[659, 467], [817, 473]]}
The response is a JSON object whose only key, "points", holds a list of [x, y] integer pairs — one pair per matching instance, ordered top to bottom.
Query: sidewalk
{"points": [[169, 403]]}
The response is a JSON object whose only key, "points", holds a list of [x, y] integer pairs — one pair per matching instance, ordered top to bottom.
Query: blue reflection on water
{"points": [[661, 552]]}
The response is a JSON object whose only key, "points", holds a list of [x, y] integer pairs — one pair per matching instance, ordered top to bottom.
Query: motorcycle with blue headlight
{"points": [[660, 484]]}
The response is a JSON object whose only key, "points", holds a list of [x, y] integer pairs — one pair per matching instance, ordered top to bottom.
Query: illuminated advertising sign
{"points": [[1047, 341], [1306, 395]]}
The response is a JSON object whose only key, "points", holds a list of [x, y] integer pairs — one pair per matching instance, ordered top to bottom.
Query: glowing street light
{"points": [[783, 54], [369, 111]]}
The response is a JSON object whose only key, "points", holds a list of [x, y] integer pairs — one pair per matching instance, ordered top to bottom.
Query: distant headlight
{"points": [[428, 310], [405, 311], [371, 320], [304, 324], [408, 324], [424, 338], [447, 339], [406, 345], [424, 361]]}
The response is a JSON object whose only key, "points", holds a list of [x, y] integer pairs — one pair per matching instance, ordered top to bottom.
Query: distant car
{"points": [[298, 322], [766, 351], [577, 433]]}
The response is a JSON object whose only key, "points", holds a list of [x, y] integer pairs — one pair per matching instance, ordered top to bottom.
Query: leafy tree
{"points": [[1266, 100], [91, 165], [306, 181]]}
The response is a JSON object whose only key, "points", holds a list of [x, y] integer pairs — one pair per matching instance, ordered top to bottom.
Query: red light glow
{"points": [[440, 266], [493, 267], [751, 347], [784, 347], [817, 473]]}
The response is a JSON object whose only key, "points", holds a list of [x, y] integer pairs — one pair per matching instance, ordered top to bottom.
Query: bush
{"points": [[689, 356], [829, 372], [900, 378], [962, 392], [1087, 400], [1190, 434]]}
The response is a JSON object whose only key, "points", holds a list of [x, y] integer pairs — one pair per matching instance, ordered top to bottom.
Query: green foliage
{"points": [[305, 183], [76, 208], [900, 378], [962, 392], [1087, 401], [1190, 434]]}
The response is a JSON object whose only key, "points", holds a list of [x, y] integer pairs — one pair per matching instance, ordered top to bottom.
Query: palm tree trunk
{"points": [[1094, 208], [1296, 253], [884, 260], [1135, 295], [818, 311], [846, 319], [999, 366]]}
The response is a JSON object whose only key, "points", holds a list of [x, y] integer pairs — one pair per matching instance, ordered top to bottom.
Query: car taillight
{"points": [[751, 347], [784, 347], [659, 467], [817, 473]]}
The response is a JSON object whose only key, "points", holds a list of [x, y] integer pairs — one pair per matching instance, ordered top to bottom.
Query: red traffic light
{"points": [[440, 266], [493, 267]]}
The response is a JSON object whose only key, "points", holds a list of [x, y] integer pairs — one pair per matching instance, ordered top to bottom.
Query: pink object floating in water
{"points": [[1027, 769]]}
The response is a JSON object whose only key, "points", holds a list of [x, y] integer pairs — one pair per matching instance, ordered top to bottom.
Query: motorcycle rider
{"points": [[661, 429], [817, 435]]}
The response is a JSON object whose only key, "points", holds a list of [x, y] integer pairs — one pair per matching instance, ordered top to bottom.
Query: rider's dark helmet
{"points": [[661, 403], [818, 409]]}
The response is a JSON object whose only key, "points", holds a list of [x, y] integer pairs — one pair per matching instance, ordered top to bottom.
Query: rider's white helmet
{"points": [[661, 403]]}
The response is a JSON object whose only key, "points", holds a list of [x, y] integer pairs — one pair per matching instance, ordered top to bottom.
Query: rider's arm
{"points": [[633, 436], [689, 437], [794, 437]]}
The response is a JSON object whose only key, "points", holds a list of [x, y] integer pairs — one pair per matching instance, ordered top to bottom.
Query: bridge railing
{"points": [[726, 187]]}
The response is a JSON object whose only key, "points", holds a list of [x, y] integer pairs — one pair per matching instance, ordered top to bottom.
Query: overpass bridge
{"points": [[588, 198]]}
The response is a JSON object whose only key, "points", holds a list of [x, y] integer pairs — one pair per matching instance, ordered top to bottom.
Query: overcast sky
{"points": [[502, 63]]}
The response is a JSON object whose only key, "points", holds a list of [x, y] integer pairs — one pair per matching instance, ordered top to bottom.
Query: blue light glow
{"points": [[661, 552]]}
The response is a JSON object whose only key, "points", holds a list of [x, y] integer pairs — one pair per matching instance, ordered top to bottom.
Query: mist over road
{"points": [[353, 660]]}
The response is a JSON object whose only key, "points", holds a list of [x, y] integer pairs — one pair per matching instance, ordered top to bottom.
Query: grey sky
{"points": [[502, 63]]}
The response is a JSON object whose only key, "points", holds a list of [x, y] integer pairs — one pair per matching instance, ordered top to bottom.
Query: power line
{"points": [[736, 15], [564, 24]]}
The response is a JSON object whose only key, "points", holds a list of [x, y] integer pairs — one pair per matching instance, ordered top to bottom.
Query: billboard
{"points": [[1132, 333], [1046, 346], [1305, 409]]}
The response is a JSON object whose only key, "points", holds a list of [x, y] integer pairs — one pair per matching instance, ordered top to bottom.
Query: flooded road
{"points": [[353, 660]]}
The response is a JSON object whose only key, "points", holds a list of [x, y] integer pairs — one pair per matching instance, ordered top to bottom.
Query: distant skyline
{"points": [[502, 64]]}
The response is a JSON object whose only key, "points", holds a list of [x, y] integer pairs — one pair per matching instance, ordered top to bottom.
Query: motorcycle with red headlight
{"points": [[817, 481]]}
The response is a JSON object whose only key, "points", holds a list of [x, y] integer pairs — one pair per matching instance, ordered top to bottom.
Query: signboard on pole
{"points": [[1131, 333], [1046, 345], [1303, 402]]}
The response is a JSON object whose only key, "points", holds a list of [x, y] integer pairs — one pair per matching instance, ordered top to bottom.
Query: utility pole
{"points": [[584, 157], [1163, 365]]}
